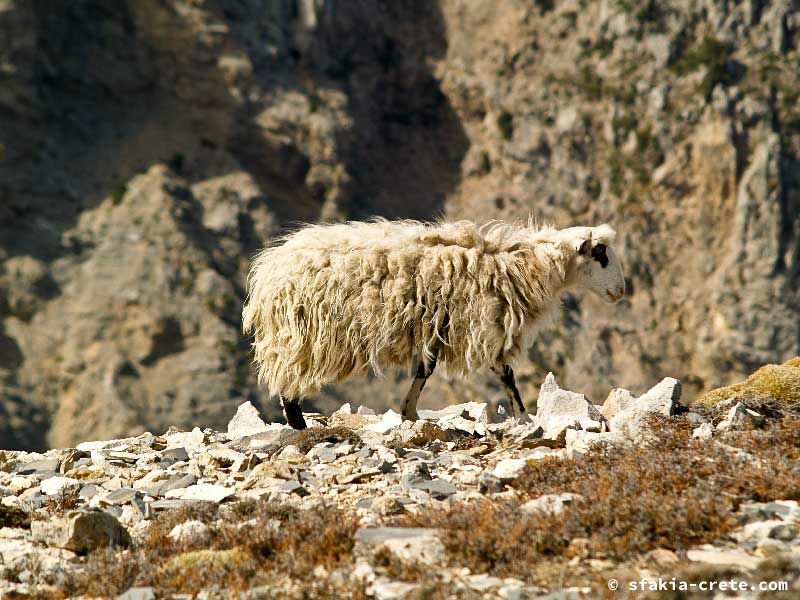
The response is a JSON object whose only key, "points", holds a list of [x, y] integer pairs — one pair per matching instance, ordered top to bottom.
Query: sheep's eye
{"points": [[599, 254]]}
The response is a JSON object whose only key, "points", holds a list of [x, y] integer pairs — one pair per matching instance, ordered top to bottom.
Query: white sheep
{"points": [[329, 301]]}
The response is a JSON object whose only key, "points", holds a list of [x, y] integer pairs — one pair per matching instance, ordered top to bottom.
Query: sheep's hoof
{"points": [[411, 416]]}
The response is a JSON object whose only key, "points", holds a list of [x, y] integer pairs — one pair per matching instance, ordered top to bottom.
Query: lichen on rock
{"points": [[781, 382]]}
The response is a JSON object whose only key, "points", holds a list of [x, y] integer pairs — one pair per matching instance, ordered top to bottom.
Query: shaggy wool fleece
{"points": [[330, 301]]}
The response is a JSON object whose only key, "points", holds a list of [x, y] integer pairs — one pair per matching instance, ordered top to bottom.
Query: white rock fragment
{"points": [[661, 399], [618, 400], [344, 409], [557, 410], [473, 411], [740, 416], [389, 420], [246, 421], [460, 423], [703, 432], [193, 440], [579, 442], [98, 445], [290, 451], [509, 468], [54, 485], [202, 491], [550, 503], [760, 530], [191, 532], [411, 544], [715, 556], [363, 571], [483, 582], [391, 590], [138, 593]]}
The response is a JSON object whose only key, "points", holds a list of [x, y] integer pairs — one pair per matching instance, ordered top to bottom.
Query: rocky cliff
{"points": [[148, 148]]}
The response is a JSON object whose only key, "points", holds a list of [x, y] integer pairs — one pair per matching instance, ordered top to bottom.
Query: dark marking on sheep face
{"points": [[599, 254]]}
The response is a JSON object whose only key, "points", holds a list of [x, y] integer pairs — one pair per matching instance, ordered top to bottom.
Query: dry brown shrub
{"points": [[672, 492], [65, 500]]}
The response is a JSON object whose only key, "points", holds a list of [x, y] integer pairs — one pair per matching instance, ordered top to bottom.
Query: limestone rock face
{"points": [[145, 158]]}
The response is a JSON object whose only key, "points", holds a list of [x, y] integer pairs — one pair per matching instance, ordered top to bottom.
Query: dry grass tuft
{"points": [[306, 439], [65, 500]]}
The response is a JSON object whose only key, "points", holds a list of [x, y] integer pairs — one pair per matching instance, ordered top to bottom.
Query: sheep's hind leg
{"points": [[506, 376], [410, 402], [293, 412]]}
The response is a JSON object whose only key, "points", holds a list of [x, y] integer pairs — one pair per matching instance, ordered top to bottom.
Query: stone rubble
{"points": [[388, 467]]}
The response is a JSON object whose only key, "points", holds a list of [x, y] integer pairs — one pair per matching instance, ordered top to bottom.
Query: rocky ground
{"points": [[149, 148], [464, 503]]}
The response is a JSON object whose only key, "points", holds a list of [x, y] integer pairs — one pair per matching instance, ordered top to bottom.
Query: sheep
{"points": [[330, 301]]}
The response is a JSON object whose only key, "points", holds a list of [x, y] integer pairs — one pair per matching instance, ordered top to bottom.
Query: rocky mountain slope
{"points": [[148, 148]]}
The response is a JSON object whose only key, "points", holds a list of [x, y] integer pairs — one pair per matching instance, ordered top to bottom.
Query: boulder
{"points": [[81, 531]]}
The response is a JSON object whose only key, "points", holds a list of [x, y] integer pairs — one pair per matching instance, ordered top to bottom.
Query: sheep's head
{"points": [[596, 266]]}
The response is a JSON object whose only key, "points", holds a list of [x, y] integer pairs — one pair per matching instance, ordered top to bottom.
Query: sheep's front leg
{"points": [[506, 376], [410, 402], [293, 412]]}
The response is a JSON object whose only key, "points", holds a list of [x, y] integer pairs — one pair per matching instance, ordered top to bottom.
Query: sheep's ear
{"points": [[584, 246]]}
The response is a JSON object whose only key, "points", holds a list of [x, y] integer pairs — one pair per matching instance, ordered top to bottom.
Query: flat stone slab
{"points": [[49, 465], [202, 491], [120, 496], [412, 544], [714, 556], [138, 593]]}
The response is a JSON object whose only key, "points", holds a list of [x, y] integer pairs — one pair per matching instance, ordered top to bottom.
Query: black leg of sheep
{"points": [[423, 372], [506, 376], [293, 412]]}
